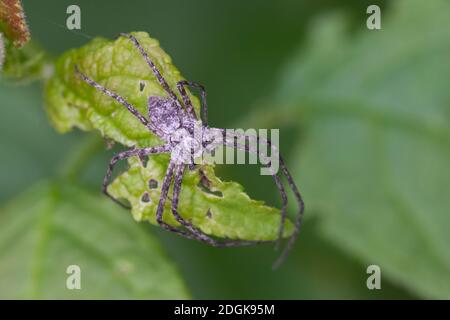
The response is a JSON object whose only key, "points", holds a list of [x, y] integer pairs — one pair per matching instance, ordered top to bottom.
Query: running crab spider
{"points": [[174, 121]]}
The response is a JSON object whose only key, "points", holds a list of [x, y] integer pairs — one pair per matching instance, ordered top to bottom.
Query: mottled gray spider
{"points": [[174, 121]]}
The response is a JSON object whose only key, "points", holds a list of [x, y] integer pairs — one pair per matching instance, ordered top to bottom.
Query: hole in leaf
{"points": [[141, 86], [152, 184], [145, 197], [209, 214]]}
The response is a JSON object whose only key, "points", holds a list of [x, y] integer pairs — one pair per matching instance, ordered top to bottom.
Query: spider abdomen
{"points": [[164, 114]]}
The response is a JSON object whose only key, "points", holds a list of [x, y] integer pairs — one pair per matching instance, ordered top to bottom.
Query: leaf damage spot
{"points": [[141, 86], [152, 184], [145, 197]]}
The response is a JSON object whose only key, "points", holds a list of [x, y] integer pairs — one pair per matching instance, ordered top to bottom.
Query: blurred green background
{"points": [[364, 125]]}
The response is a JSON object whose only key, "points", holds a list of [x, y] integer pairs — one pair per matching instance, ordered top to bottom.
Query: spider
{"points": [[174, 121]]}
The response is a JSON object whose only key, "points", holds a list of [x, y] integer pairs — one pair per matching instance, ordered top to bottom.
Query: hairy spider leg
{"points": [[155, 70], [118, 98], [187, 101], [232, 142], [125, 155], [278, 182], [279, 185], [293, 187], [298, 197], [162, 201], [284, 202], [299, 217], [197, 233]]}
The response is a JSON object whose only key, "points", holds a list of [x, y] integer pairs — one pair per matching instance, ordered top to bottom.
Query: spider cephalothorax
{"points": [[177, 124]]}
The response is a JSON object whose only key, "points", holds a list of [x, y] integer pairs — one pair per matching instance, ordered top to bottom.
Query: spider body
{"points": [[167, 116], [177, 124], [176, 127]]}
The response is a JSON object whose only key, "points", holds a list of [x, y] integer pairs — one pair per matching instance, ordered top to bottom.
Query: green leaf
{"points": [[119, 66], [374, 153], [223, 211], [54, 225]]}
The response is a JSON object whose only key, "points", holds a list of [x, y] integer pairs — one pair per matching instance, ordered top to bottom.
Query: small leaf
{"points": [[118, 66], [374, 154], [223, 211], [54, 225]]}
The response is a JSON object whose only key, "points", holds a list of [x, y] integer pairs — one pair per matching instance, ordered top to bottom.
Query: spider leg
{"points": [[155, 70], [115, 96], [187, 102], [232, 142], [125, 155], [278, 183], [292, 185], [162, 201], [284, 202], [299, 217], [197, 233]]}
